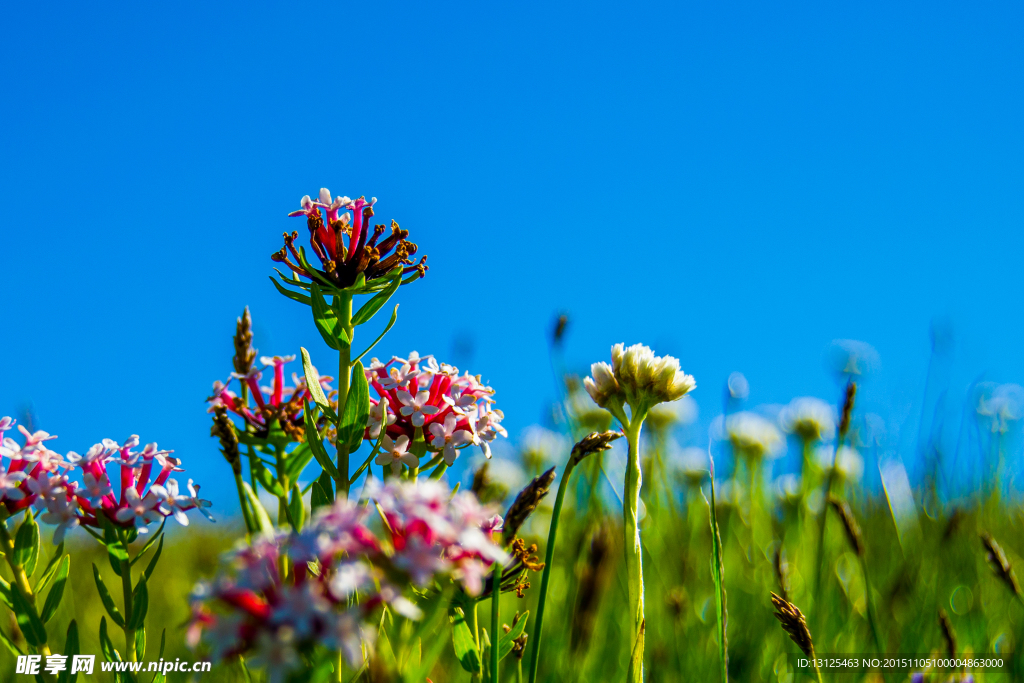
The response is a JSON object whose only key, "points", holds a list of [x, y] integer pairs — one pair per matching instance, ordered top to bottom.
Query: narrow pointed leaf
{"points": [[294, 296], [370, 308], [326, 320], [387, 328], [313, 385], [357, 410], [316, 444], [297, 460], [327, 486], [317, 497], [297, 508], [262, 518], [153, 538], [26, 544], [156, 558], [51, 567], [56, 593], [108, 602], [140, 604], [28, 621], [463, 641], [505, 642], [140, 643], [9, 644], [71, 648], [109, 653]]}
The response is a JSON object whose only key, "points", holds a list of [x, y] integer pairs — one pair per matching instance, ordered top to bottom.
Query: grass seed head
{"points": [[245, 354], [224, 429], [593, 443], [526, 502], [850, 525], [1000, 565], [793, 623]]}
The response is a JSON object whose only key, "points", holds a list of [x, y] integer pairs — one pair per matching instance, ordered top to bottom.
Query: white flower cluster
{"points": [[637, 377]]}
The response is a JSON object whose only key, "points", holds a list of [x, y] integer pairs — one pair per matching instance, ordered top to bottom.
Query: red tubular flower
{"points": [[365, 253]]}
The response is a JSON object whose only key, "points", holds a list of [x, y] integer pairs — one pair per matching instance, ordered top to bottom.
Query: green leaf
{"points": [[313, 272], [294, 296], [370, 308], [327, 322], [387, 328], [313, 385], [357, 410], [317, 445], [297, 460], [264, 476], [327, 485], [317, 497], [297, 508], [265, 526], [153, 538], [26, 544], [116, 552], [156, 558], [51, 567], [717, 573], [56, 593], [5, 594], [108, 602], [140, 604], [28, 621], [463, 641], [505, 642], [140, 643], [9, 644], [107, 647], [71, 648], [245, 669]]}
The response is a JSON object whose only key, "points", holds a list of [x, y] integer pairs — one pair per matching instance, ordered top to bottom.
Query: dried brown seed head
{"points": [[526, 502], [793, 623]]}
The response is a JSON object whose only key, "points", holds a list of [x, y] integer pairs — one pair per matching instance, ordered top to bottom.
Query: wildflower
{"points": [[365, 252], [850, 357], [419, 397], [278, 403], [1002, 404], [415, 408], [809, 418], [753, 436], [447, 438], [395, 453], [140, 510], [251, 607]]}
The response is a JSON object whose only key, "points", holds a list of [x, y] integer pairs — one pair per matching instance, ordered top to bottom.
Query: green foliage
{"points": [[26, 544]]}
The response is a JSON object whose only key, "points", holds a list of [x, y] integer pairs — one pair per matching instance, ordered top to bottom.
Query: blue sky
{"points": [[735, 184]]}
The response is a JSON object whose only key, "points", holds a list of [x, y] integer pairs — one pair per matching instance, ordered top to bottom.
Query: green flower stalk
{"points": [[355, 258], [641, 380]]}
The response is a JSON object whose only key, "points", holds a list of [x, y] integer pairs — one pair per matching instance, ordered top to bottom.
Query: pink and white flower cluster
{"points": [[418, 395], [33, 475], [339, 571]]}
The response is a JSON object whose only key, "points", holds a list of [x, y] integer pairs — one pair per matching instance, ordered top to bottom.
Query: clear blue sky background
{"points": [[735, 184]]}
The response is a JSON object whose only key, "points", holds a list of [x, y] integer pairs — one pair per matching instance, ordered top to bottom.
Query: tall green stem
{"points": [[344, 381], [631, 543], [549, 554], [126, 588], [495, 605]]}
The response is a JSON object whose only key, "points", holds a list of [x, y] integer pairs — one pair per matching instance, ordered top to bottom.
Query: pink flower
{"points": [[415, 407], [448, 439], [395, 453], [138, 510]]}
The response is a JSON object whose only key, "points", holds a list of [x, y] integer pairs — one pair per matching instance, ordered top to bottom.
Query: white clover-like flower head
{"points": [[637, 377], [809, 418], [753, 436]]}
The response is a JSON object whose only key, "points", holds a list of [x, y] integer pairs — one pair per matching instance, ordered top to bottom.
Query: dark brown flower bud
{"points": [[245, 354], [224, 429], [593, 443], [525, 503], [850, 525], [1000, 565]]}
